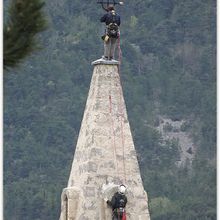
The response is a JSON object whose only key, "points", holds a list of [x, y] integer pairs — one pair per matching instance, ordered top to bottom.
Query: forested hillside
{"points": [[168, 70]]}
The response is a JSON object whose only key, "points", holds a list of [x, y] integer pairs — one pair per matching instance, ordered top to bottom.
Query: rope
{"points": [[119, 51], [121, 109], [121, 114], [113, 133], [122, 135]]}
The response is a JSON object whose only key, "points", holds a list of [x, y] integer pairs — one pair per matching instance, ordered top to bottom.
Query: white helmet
{"points": [[122, 189]]}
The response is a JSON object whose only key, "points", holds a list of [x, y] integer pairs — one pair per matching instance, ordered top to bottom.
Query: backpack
{"points": [[120, 201], [119, 213]]}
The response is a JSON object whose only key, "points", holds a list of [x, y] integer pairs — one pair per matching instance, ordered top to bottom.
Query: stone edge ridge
{"points": [[105, 62]]}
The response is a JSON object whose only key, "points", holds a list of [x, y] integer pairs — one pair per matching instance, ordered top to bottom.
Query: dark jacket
{"points": [[110, 18], [118, 200]]}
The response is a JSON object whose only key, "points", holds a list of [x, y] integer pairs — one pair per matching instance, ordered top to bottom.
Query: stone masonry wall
{"points": [[104, 153]]}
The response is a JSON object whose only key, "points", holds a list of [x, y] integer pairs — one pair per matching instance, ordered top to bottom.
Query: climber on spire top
{"points": [[112, 21]]}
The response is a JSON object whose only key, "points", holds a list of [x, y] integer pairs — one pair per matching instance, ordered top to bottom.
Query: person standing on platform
{"points": [[112, 21]]}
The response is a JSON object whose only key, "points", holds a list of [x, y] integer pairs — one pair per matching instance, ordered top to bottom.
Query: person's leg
{"points": [[113, 46], [107, 48], [115, 215]]}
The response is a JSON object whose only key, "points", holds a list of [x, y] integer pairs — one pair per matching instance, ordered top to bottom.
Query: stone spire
{"points": [[104, 153]]}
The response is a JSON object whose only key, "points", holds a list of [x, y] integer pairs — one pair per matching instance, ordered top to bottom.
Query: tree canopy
{"points": [[168, 69]]}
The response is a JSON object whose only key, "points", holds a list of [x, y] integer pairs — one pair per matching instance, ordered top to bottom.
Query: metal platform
{"points": [[105, 62]]}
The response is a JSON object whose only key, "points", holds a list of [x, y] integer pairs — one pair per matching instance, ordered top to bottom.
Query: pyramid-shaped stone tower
{"points": [[104, 153]]}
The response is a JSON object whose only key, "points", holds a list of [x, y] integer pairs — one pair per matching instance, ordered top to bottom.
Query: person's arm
{"points": [[103, 18], [119, 20], [126, 200], [112, 202]]}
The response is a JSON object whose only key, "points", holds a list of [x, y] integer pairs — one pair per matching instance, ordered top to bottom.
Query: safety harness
{"points": [[112, 29], [120, 213]]}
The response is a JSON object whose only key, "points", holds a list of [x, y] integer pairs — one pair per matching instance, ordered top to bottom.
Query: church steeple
{"points": [[104, 153]]}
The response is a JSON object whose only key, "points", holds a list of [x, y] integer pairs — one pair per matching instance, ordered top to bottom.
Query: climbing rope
{"points": [[119, 51], [121, 108], [121, 115], [121, 118], [122, 131], [113, 134]]}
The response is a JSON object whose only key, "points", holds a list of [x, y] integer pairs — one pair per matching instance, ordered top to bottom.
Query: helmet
{"points": [[122, 189]]}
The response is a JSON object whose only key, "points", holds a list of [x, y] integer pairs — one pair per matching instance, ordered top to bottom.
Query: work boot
{"points": [[104, 57]]}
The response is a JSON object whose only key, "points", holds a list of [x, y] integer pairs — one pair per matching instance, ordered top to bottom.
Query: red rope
{"points": [[119, 51], [121, 110], [121, 118], [113, 133], [122, 135]]}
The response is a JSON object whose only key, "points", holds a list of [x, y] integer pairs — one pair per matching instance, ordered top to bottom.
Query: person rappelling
{"points": [[112, 21], [118, 203]]}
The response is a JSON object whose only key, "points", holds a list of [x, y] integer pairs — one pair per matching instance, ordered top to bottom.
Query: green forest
{"points": [[168, 69]]}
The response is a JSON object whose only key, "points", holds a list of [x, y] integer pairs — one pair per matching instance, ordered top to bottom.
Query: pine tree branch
{"points": [[26, 20]]}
